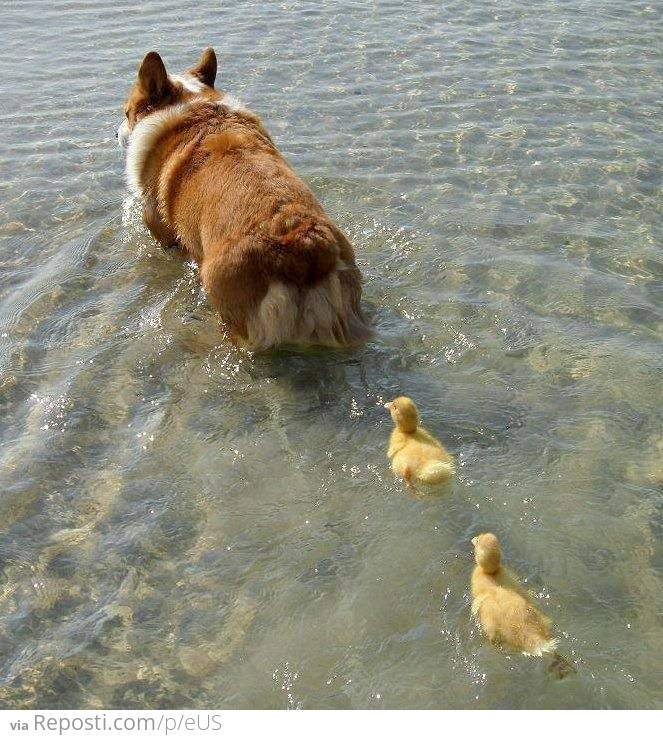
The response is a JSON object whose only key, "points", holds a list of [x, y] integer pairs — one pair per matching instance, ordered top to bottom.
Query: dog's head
{"points": [[155, 89]]}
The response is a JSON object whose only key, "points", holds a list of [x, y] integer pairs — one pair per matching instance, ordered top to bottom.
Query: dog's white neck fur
{"points": [[188, 81], [147, 131], [141, 142]]}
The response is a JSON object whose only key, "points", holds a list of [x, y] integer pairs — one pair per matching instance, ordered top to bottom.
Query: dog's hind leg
{"points": [[235, 290]]}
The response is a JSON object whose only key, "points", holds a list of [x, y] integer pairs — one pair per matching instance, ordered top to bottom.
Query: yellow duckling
{"points": [[414, 453], [504, 610]]}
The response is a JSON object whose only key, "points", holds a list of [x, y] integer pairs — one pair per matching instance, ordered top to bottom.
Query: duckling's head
{"points": [[404, 413], [487, 552]]}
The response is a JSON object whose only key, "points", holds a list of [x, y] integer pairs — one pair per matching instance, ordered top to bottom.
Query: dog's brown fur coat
{"points": [[214, 183]]}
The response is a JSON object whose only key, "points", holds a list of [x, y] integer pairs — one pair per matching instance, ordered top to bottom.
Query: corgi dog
{"points": [[213, 183]]}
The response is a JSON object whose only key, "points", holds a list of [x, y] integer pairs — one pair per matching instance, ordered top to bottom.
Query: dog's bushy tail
{"points": [[302, 267], [326, 313]]}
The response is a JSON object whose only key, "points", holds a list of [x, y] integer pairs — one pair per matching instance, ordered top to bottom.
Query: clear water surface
{"points": [[182, 525]]}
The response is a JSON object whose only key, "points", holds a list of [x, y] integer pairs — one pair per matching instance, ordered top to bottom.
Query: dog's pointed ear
{"points": [[205, 69], [153, 77]]}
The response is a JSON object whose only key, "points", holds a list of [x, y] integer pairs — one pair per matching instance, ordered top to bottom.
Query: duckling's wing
{"points": [[426, 438], [397, 442], [509, 579], [477, 602], [488, 614], [537, 620]]}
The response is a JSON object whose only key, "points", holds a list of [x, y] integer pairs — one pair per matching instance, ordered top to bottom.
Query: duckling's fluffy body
{"points": [[414, 453], [502, 607]]}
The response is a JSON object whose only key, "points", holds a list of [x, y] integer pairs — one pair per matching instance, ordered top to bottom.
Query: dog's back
{"points": [[275, 266]]}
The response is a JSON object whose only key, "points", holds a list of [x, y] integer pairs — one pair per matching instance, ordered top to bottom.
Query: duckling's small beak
{"points": [[388, 405], [474, 541]]}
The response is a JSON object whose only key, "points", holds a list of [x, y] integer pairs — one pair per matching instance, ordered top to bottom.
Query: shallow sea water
{"points": [[182, 525]]}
